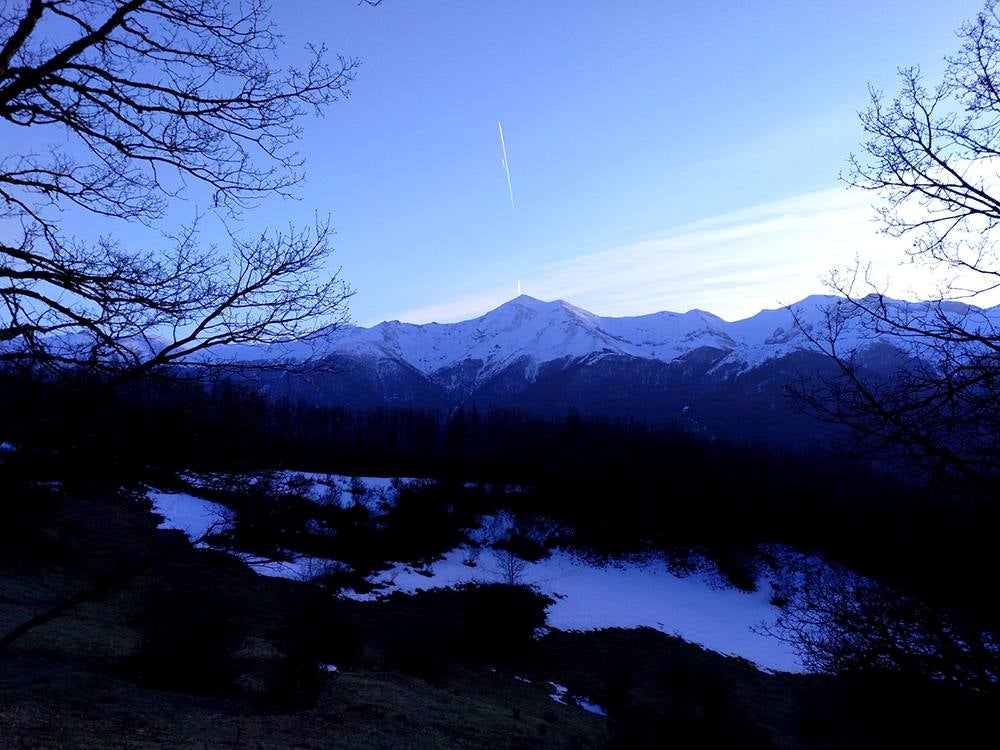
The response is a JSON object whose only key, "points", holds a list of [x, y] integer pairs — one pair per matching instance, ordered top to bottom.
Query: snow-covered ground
{"points": [[345, 491], [193, 515], [196, 516], [298, 568], [627, 594], [588, 596], [561, 694]]}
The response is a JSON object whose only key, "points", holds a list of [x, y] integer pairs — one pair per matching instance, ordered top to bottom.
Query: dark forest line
{"points": [[621, 486]]}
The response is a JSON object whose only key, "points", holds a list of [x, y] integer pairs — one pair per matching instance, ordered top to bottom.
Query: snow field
{"points": [[588, 596]]}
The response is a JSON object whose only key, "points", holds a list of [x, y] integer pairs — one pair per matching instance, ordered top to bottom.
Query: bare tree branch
{"points": [[151, 95], [932, 156], [840, 623]]}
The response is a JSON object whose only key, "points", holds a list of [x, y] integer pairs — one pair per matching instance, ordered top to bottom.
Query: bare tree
{"points": [[142, 101], [931, 158], [918, 383], [510, 567], [841, 623]]}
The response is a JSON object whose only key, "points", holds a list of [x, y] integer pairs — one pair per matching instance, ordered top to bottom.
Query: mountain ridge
{"points": [[550, 331], [692, 369]]}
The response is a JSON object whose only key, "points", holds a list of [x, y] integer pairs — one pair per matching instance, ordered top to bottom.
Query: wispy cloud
{"points": [[733, 265], [458, 308]]}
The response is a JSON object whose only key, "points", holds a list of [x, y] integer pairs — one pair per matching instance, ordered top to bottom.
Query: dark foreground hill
{"points": [[198, 651]]}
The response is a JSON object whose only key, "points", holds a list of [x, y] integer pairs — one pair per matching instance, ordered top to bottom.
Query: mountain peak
{"points": [[527, 299], [524, 302], [532, 303]]}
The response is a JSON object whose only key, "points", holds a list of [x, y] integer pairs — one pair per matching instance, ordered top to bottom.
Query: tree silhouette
{"points": [[143, 101], [931, 158], [922, 390], [842, 623]]}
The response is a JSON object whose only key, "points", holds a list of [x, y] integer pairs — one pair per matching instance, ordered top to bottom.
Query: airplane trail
{"points": [[506, 168]]}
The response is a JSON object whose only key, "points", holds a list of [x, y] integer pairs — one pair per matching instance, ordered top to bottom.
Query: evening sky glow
{"points": [[664, 155]]}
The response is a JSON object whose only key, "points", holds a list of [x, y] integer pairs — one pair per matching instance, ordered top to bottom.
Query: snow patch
{"points": [[375, 493], [195, 516], [297, 568], [626, 594], [587, 595], [558, 693], [589, 706]]}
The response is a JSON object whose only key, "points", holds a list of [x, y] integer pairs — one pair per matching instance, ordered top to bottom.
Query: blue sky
{"points": [[625, 124], [663, 155]]}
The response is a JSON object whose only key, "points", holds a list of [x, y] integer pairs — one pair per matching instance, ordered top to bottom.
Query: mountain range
{"points": [[693, 369]]}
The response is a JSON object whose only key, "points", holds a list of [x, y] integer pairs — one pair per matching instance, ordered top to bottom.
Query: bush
{"points": [[500, 621], [842, 623], [432, 630], [313, 634], [189, 638], [423, 648], [292, 681]]}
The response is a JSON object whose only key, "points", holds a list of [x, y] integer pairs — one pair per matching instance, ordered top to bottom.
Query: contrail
{"points": [[506, 168]]}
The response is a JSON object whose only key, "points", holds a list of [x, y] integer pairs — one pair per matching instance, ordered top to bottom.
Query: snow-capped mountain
{"points": [[529, 329], [532, 332], [552, 357]]}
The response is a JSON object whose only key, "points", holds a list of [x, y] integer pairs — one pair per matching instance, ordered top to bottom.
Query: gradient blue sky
{"points": [[626, 123], [663, 154]]}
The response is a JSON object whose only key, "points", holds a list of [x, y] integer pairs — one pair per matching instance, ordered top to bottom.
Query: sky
{"points": [[663, 155]]}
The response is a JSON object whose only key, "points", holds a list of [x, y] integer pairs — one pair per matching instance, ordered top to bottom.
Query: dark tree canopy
{"points": [[143, 101], [931, 159], [842, 623]]}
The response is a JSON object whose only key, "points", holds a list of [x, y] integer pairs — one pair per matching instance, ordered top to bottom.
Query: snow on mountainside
{"points": [[522, 328], [530, 331], [495, 356], [693, 370]]}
